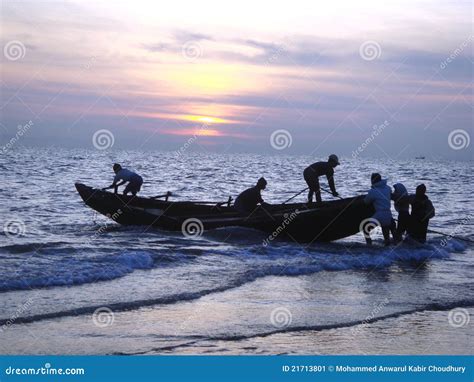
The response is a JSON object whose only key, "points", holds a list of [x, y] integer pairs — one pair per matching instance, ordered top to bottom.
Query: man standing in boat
{"points": [[312, 173], [122, 176], [249, 199]]}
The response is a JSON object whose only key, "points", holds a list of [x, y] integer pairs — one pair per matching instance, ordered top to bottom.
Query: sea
{"points": [[75, 282]]}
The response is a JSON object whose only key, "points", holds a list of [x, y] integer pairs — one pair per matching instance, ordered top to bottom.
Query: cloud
{"points": [[84, 66]]}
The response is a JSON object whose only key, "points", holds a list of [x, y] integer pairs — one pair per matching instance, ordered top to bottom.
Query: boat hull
{"points": [[323, 222]]}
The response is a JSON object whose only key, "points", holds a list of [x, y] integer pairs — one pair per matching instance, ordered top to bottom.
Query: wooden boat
{"points": [[326, 221]]}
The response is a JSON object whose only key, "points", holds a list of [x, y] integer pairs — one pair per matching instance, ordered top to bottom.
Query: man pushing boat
{"points": [[312, 173], [122, 176]]}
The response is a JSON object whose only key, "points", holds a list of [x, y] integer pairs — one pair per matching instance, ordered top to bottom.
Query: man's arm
{"points": [[114, 185], [332, 186], [430, 209]]}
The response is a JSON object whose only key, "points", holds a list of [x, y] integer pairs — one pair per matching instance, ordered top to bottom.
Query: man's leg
{"points": [[308, 181], [130, 188], [317, 190], [318, 195], [403, 221], [395, 230], [366, 231], [424, 231]]}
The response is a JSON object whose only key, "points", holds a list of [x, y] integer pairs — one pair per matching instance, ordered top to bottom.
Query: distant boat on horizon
{"points": [[421, 157]]}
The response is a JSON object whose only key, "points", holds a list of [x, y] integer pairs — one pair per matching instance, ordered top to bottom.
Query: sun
{"points": [[205, 119]]}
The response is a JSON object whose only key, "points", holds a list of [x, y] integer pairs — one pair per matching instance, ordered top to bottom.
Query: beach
{"points": [[73, 282]]}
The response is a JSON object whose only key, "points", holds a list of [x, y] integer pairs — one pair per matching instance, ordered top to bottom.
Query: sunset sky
{"points": [[156, 74]]}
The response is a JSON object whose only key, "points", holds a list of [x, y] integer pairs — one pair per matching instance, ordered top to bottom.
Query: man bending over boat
{"points": [[312, 173], [122, 176], [380, 197], [249, 199]]}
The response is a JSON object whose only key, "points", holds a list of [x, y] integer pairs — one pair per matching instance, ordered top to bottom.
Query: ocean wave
{"points": [[253, 261], [301, 265], [74, 271]]}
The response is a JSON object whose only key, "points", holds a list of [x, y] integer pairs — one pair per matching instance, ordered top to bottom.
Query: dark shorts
{"points": [[311, 179], [134, 185]]}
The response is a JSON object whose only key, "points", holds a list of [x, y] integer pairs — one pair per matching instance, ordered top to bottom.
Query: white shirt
{"points": [[125, 175]]}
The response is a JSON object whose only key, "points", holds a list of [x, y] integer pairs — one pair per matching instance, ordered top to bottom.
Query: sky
{"points": [[357, 78]]}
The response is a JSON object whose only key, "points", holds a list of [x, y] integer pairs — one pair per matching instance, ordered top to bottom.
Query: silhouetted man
{"points": [[312, 173], [122, 176], [249, 199], [402, 206], [422, 211]]}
